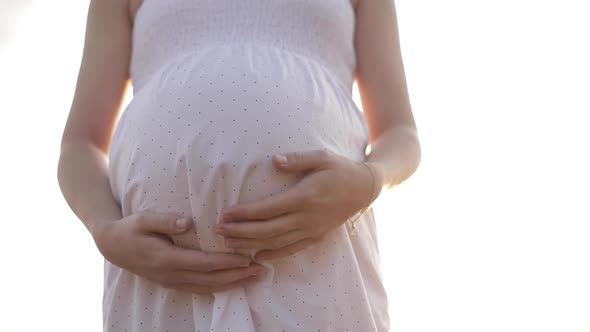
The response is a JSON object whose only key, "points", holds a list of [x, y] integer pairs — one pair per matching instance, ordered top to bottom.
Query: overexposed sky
{"points": [[491, 234]]}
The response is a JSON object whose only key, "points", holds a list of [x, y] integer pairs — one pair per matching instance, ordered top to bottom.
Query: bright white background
{"points": [[491, 234]]}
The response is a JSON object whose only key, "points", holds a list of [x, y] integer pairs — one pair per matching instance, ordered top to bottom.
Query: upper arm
{"points": [[380, 72], [103, 77]]}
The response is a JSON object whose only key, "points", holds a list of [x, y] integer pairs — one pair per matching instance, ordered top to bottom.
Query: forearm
{"points": [[394, 157], [84, 182]]}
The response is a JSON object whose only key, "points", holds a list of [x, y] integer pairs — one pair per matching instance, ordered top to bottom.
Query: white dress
{"points": [[219, 87]]}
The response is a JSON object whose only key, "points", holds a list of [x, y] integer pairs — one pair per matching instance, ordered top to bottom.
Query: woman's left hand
{"points": [[333, 189]]}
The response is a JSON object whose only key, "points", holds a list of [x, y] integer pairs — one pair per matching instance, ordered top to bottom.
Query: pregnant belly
{"points": [[199, 136]]}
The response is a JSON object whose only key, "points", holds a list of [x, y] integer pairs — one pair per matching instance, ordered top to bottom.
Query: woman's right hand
{"points": [[141, 244]]}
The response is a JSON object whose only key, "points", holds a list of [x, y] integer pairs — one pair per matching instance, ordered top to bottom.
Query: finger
{"points": [[301, 161], [269, 207], [164, 223], [257, 229], [275, 242], [289, 250], [196, 260], [216, 278], [206, 290]]}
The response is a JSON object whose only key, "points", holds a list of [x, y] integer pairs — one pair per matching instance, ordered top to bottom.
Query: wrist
{"points": [[378, 178], [372, 183], [369, 194], [100, 232]]}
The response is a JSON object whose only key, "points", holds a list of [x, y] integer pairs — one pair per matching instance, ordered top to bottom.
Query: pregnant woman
{"points": [[233, 193]]}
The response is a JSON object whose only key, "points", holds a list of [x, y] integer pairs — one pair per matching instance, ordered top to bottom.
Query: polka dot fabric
{"points": [[219, 87]]}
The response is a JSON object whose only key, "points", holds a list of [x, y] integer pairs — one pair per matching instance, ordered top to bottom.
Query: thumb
{"points": [[301, 161], [165, 223]]}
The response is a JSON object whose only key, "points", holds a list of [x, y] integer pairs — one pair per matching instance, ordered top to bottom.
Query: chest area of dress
{"points": [[280, 18]]}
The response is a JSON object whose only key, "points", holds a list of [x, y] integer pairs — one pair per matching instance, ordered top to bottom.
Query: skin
{"points": [[333, 188], [336, 188], [139, 243]]}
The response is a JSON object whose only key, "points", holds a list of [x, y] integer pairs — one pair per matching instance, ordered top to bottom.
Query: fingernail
{"points": [[281, 159], [181, 224]]}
